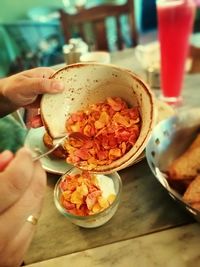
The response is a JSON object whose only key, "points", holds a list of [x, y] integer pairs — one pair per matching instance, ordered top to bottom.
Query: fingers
{"points": [[40, 72], [40, 81], [43, 85], [38, 86], [23, 89], [36, 103], [35, 122], [5, 158], [16, 178], [13, 219], [15, 231], [13, 252], [10, 255]]}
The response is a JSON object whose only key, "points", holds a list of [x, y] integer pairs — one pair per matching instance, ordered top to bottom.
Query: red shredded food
{"points": [[112, 128], [81, 194]]}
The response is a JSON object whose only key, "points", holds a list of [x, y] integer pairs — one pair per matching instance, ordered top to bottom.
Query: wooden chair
{"points": [[96, 16], [195, 56]]}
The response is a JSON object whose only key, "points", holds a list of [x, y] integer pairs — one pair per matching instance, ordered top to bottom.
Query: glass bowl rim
{"points": [[63, 211]]}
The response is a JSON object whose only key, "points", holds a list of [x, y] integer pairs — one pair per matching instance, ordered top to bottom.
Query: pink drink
{"points": [[175, 21]]}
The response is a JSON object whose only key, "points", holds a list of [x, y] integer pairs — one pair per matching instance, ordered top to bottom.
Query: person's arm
{"points": [[23, 89], [6, 106], [22, 181], [23, 184]]}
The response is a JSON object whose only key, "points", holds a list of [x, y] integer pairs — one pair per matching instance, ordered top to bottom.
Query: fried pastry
{"points": [[58, 152], [187, 166], [192, 194]]}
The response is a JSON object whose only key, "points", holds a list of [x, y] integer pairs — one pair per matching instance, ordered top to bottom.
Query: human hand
{"points": [[23, 89], [5, 158], [22, 189]]}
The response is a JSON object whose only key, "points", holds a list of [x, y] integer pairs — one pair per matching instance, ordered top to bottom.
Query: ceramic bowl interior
{"points": [[88, 83], [165, 146], [95, 220]]}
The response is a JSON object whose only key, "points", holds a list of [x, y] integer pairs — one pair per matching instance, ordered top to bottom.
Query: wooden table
{"points": [[146, 217]]}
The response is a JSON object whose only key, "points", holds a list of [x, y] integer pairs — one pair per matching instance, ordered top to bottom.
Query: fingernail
{"points": [[57, 86], [5, 155]]}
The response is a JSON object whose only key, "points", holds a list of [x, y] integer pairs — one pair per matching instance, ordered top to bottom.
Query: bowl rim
{"points": [[116, 165], [64, 212]]}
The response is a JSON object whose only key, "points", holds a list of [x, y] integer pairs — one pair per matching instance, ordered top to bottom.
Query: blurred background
{"points": [[31, 34]]}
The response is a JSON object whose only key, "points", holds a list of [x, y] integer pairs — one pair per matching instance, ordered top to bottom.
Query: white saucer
{"points": [[34, 141]]}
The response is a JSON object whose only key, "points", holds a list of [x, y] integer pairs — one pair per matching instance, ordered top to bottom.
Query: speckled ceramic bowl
{"points": [[87, 83]]}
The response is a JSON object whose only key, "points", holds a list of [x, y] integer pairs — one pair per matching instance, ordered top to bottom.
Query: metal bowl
{"points": [[169, 139]]}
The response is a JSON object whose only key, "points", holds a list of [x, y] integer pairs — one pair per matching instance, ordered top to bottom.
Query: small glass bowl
{"points": [[94, 220]]}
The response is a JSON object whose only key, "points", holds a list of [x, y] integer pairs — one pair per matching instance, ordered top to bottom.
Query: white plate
{"points": [[34, 141]]}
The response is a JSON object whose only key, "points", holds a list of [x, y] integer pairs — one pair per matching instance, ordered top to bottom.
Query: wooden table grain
{"points": [[145, 206]]}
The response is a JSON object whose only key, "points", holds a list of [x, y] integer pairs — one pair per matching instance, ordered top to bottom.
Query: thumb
{"points": [[43, 85]]}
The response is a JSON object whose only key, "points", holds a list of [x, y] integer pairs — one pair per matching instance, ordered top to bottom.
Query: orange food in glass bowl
{"points": [[112, 128], [82, 195], [86, 199]]}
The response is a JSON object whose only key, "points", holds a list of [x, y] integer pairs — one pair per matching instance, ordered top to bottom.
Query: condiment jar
{"points": [[74, 50], [153, 77]]}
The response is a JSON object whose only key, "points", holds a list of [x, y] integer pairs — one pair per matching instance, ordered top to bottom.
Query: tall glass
{"points": [[175, 21]]}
